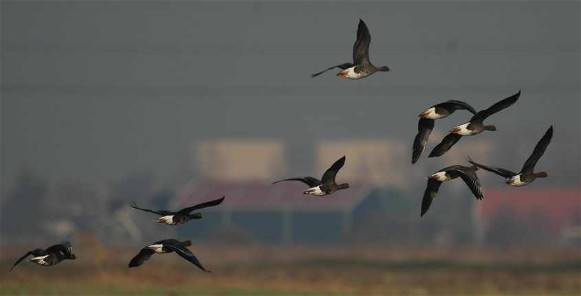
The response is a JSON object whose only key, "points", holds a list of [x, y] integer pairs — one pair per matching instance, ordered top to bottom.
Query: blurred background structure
{"points": [[171, 103]]}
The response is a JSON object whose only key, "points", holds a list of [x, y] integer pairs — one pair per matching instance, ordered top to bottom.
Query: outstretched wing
{"points": [[361, 46], [341, 66], [453, 105], [497, 107], [425, 127], [445, 145], [540, 148], [498, 171], [330, 173], [471, 179], [310, 181], [429, 195], [207, 204], [159, 212], [36, 252], [186, 254], [141, 257]]}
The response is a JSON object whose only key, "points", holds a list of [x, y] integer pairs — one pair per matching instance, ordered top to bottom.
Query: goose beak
{"points": [[342, 74], [455, 130]]}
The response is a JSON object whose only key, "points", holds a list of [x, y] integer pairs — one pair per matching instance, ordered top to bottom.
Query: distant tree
{"points": [[22, 214]]}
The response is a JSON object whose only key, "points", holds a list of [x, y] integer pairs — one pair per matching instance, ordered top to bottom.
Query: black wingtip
{"points": [[515, 96]]}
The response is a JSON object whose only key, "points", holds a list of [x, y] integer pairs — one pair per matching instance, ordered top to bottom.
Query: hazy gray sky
{"points": [[97, 90]]}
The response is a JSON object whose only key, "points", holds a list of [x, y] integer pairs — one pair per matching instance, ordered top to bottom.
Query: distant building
{"points": [[236, 160], [368, 161], [273, 213]]}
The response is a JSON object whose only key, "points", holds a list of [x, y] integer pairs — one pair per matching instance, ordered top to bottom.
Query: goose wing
{"points": [[361, 46], [341, 66], [453, 105], [497, 107], [425, 127], [447, 143], [539, 150], [499, 171], [330, 173], [469, 177], [310, 181], [429, 195], [207, 204], [159, 212], [35, 252], [186, 254], [141, 257]]}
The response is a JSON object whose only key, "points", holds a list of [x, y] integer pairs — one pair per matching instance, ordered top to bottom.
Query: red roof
{"points": [[259, 196], [561, 207]]}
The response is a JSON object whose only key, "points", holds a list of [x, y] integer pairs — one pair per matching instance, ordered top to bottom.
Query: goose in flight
{"points": [[361, 66], [426, 123], [473, 127], [527, 173], [467, 174], [326, 185], [182, 216], [167, 246], [51, 256]]}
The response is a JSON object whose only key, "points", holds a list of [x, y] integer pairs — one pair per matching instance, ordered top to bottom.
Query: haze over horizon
{"points": [[99, 90]]}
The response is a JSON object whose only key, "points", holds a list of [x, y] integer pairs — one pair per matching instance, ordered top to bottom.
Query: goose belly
{"points": [[351, 74], [431, 114], [463, 130], [440, 176], [516, 181], [316, 191], [166, 220], [41, 260]]}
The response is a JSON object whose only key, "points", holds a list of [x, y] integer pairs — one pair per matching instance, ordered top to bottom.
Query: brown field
{"points": [[301, 270]]}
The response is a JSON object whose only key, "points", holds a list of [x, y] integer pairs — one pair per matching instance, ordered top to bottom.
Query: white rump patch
{"points": [[350, 73], [431, 114], [463, 130], [440, 176], [516, 181], [316, 191], [166, 219], [158, 248], [39, 260]]}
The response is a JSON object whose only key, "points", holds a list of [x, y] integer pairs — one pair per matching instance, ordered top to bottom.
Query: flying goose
{"points": [[361, 66], [426, 123], [474, 126], [526, 174], [468, 175], [327, 184], [182, 216], [167, 246], [51, 256]]}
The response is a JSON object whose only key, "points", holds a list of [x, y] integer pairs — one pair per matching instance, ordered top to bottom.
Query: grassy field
{"points": [[303, 270]]}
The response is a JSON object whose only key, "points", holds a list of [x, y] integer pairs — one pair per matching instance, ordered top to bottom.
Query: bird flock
{"points": [[361, 67]]}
